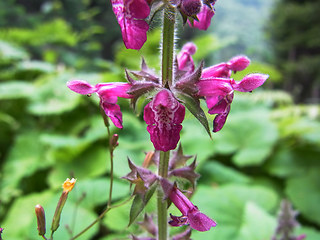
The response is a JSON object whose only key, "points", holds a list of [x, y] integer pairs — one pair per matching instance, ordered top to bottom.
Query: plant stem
{"points": [[168, 30], [111, 148], [161, 204], [100, 217]]}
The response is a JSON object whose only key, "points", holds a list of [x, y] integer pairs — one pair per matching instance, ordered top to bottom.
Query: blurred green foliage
{"points": [[295, 37], [268, 150]]}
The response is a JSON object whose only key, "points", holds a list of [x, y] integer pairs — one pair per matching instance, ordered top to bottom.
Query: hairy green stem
{"points": [[168, 31], [111, 173], [161, 204]]}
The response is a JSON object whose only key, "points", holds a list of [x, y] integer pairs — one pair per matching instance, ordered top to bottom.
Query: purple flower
{"points": [[130, 15], [204, 17], [184, 57], [225, 69], [219, 92], [108, 93], [164, 115], [190, 213]]}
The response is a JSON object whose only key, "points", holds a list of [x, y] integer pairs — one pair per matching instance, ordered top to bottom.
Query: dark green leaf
{"points": [[193, 105], [140, 202]]}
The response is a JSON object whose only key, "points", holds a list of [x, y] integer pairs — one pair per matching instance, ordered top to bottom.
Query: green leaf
{"points": [[9, 52], [15, 89], [53, 96], [193, 105], [250, 135], [195, 140], [25, 158], [292, 161], [93, 162], [214, 171], [95, 192], [303, 192], [139, 203], [240, 212], [117, 219], [312, 234]]}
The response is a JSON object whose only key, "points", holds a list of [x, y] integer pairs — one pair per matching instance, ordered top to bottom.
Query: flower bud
{"points": [[190, 7], [114, 140], [67, 187], [41, 220]]}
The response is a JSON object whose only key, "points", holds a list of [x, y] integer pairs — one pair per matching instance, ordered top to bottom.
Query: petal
{"points": [[130, 15], [204, 17], [134, 33], [239, 63], [220, 70], [250, 82], [80, 86], [214, 87], [116, 89], [220, 107], [113, 112], [148, 115], [164, 115], [220, 120], [164, 137], [200, 221]]}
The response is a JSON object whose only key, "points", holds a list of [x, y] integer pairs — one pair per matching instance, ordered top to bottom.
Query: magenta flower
{"points": [[130, 15], [204, 17], [184, 57], [224, 70], [108, 93], [218, 93], [164, 115], [190, 213]]}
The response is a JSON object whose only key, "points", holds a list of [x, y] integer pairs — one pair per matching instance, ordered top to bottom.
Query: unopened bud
{"points": [[191, 7], [114, 140], [67, 187], [41, 220]]}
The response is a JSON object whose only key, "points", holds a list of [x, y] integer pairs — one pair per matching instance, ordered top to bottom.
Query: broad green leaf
{"points": [[9, 52], [35, 66], [15, 89], [53, 96], [193, 105], [250, 135], [194, 139], [134, 141], [26, 156], [290, 161], [93, 162], [216, 172], [303, 191], [95, 192], [140, 202], [240, 212], [117, 219], [20, 220], [311, 233]]}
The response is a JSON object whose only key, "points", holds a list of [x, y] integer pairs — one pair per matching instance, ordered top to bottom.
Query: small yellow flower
{"points": [[68, 184]]}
